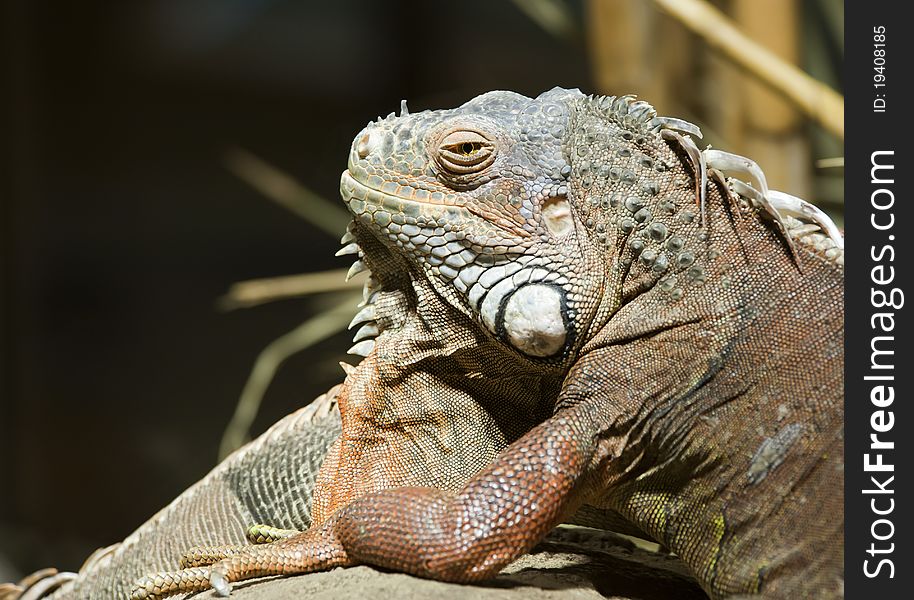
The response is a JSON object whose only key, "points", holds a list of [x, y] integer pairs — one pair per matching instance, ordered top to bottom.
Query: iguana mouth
{"points": [[380, 205], [390, 214]]}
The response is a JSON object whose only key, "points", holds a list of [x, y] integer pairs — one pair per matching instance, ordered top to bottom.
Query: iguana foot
{"points": [[266, 534], [276, 552], [202, 556], [37, 585], [162, 585]]}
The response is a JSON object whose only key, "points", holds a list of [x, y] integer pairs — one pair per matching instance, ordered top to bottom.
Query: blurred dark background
{"points": [[124, 220]]}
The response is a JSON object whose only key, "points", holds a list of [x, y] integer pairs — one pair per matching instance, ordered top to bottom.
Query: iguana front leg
{"points": [[407, 425], [622, 436], [468, 535]]}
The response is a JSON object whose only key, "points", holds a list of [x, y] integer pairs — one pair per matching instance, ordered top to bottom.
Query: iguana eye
{"points": [[468, 148], [465, 152]]}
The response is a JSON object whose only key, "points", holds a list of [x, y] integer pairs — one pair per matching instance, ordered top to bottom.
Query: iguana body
{"points": [[571, 309], [271, 479]]}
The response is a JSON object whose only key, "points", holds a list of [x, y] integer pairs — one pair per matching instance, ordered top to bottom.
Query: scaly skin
{"points": [[572, 310], [702, 354], [273, 478], [270, 479]]}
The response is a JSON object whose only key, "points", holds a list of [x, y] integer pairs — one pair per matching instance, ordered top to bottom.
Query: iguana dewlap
{"points": [[571, 304]]}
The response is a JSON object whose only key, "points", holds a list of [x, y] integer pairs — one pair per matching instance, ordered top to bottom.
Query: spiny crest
{"points": [[628, 112], [637, 115], [797, 219], [364, 339]]}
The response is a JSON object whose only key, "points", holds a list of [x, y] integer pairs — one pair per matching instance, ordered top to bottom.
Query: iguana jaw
{"points": [[465, 201], [498, 206], [378, 209], [390, 225], [529, 310]]}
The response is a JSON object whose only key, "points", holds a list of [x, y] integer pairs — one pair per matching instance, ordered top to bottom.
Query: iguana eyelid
{"points": [[449, 153]]}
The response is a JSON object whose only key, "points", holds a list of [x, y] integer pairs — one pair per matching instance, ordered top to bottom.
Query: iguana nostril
{"points": [[364, 145]]}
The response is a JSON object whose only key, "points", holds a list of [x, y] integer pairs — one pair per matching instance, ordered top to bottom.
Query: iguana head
{"points": [[476, 200], [540, 218]]}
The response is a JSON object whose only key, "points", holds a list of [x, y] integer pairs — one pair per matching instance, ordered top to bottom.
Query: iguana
{"points": [[573, 313]]}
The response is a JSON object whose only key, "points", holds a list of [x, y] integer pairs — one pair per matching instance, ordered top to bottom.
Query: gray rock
{"points": [[574, 563]]}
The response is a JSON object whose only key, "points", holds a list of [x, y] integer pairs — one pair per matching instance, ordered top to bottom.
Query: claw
{"points": [[677, 124], [699, 164], [352, 248], [356, 268], [363, 316], [367, 331], [363, 348], [220, 583]]}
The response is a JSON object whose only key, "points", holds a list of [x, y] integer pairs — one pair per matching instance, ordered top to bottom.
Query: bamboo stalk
{"points": [[554, 16], [773, 24], [615, 39], [815, 99], [773, 134], [836, 162], [285, 191], [245, 294], [312, 331]]}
